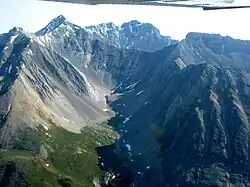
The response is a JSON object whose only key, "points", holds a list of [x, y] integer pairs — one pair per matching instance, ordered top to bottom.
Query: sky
{"points": [[33, 15]]}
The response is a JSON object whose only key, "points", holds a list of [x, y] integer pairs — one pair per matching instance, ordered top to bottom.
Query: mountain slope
{"points": [[41, 92], [191, 128]]}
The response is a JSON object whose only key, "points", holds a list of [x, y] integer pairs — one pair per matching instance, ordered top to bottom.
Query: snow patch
{"points": [[68, 27], [77, 27], [67, 33], [12, 38], [43, 40], [40, 42], [30, 52], [10, 68], [132, 85], [117, 87], [91, 88], [129, 91], [92, 92], [139, 93], [146, 103], [105, 110], [66, 119], [126, 120], [45, 127], [48, 134], [98, 143], [128, 146], [47, 165], [147, 167]]}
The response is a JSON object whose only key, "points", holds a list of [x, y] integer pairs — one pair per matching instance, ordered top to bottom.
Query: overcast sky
{"points": [[32, 15]]}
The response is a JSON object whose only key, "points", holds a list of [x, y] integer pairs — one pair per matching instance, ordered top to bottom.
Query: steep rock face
{"points": [[132, 35], [215, 49], [93, 50], [191, 128], [205, 137]]}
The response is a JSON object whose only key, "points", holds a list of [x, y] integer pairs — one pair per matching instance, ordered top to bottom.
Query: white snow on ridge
{"points": [[12, 38]]}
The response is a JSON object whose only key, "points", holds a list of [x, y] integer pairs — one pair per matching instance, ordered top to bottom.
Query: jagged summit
{"points": [[55, 23], [15, 30], [130, 35]]}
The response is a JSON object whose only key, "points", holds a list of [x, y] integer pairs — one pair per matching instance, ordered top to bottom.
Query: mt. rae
{"points": [[123, 106]]}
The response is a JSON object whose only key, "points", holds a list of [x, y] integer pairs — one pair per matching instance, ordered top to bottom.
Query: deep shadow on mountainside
{"points": [[123, 106]]}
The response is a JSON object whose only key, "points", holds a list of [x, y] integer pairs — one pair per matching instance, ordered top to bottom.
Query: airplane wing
{"points": [[205, 4]]}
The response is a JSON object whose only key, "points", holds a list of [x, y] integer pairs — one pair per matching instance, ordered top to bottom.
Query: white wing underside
{"points": [[205, 4]]}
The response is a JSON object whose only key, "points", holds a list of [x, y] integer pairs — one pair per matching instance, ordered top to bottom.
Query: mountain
{"points": [[131, 35], [123, 106], [47, 110], [191, 128]]}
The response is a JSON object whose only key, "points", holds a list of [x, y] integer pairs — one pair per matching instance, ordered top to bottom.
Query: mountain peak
{"points": [[60, 17], [56, 22], [134, 22], [130, 23], [15, 30], [196, 35]]}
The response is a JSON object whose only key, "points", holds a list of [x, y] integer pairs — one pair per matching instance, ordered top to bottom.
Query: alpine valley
{"points": [[123, 106]]}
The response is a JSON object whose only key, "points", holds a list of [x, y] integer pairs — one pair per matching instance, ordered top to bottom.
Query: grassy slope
{"points": [[72, 156]]}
